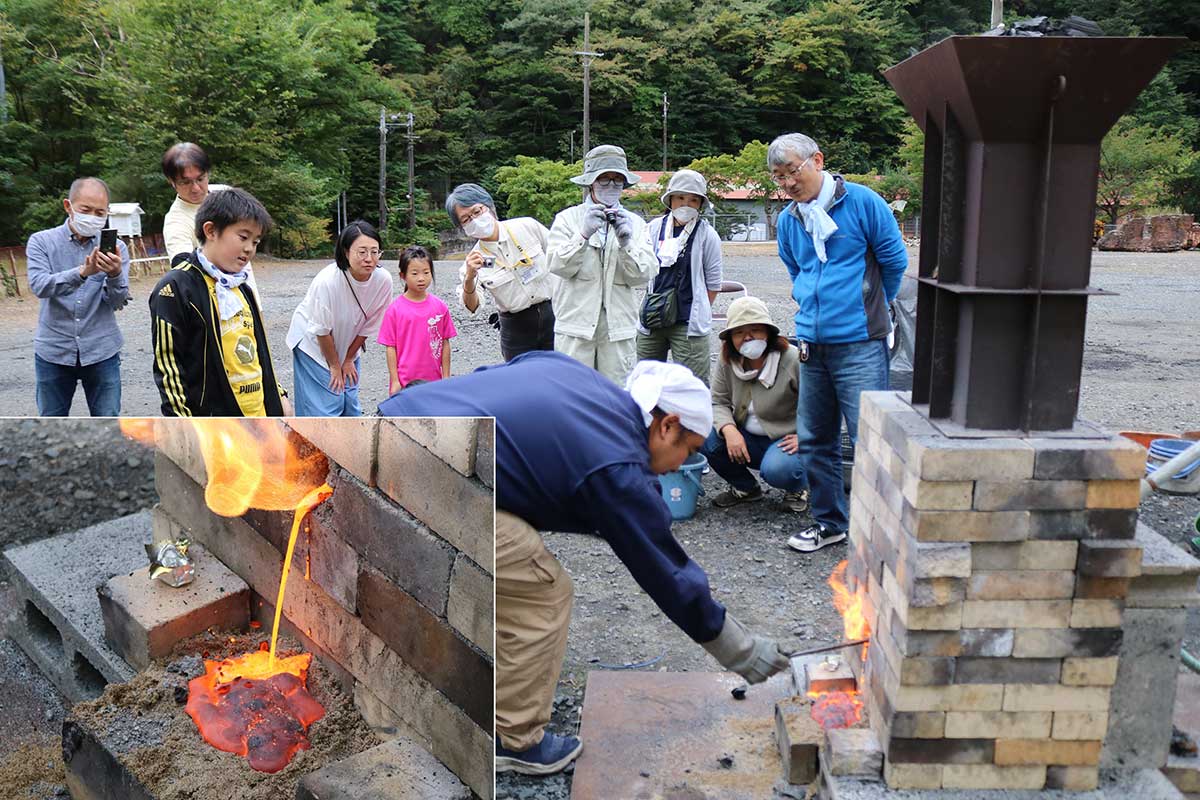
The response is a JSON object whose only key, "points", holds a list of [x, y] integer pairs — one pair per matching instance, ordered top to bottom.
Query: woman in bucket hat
{"points": [[601, 252], [677, 312], [755, 389]]}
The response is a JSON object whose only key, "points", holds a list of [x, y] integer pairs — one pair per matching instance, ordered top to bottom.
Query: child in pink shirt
{"points": [[416, 328]]}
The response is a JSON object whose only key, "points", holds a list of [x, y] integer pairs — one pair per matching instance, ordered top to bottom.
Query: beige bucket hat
{"points": [[601, 159], [687, 181], [748, 311]]}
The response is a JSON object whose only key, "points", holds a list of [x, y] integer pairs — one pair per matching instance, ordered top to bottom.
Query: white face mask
{"points": [[608, 196], [685, 214], [87, 225], [481, 226], [753, 348]]}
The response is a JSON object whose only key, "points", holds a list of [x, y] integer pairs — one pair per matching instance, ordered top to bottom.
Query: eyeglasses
{"points": [[792, 174], [188, 183], [609, 183], [475, 211], [363, 252]]}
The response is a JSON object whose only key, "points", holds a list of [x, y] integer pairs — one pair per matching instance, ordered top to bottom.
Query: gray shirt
{"points": [[77, 323]]}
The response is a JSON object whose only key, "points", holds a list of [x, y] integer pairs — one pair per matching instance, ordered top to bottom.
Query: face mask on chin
{"points": [[608, 196], [87, 225], [481, 226], [753, 348]]}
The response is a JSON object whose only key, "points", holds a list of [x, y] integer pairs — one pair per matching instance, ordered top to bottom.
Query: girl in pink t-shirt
{"points": [[416, 328]]}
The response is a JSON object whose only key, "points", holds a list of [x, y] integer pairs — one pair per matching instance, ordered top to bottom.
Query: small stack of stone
{"points": [[996, 572]]}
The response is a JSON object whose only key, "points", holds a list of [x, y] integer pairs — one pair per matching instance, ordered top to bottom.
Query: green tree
{"points": [[1136, 165], [745, 170], [537, 187]]}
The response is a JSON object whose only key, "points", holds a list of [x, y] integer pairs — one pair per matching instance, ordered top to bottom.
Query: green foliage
{"points": [[1137, 164], [538, 188]]}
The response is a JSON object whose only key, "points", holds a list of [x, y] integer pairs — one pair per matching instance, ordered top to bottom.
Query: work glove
{"points": [[593, 220], [624, 227], [755, 658]]}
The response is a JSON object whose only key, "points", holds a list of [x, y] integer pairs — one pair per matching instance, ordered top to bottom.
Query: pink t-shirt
{"points": [[418, 331]]}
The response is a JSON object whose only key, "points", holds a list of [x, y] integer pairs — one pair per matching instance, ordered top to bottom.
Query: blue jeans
{"points": [[830, 383], [56, 386], [314, 398], [777, 468]]}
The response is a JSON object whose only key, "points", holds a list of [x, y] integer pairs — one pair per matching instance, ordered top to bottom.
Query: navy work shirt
{"points": [[572, 455]]}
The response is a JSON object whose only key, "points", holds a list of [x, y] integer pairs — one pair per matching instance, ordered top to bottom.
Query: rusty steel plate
{"points": [[663, 735]]}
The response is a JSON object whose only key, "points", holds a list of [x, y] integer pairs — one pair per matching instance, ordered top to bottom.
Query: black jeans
{"points": [[531, 329]]}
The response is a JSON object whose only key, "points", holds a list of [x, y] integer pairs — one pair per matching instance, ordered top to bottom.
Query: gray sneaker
{"points": [[733, 496], [796, 501]]}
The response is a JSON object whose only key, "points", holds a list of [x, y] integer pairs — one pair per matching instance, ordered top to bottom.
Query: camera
{"points": [[612, 216], [488, 262]]}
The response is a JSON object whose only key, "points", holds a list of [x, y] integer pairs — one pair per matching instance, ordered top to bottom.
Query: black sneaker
{"points": [[733, 496], [796, 501], [814, 537], [550, 755]]}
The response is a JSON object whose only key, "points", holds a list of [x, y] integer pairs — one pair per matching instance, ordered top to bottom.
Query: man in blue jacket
{"points": [[846, 257], [576, 453]]}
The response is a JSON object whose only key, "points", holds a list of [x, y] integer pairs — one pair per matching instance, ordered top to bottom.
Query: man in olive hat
{"points": [[602, 253]]}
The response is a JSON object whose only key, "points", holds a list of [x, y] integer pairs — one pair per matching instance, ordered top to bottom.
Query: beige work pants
{"points": [[613, 360], [533, 610]]}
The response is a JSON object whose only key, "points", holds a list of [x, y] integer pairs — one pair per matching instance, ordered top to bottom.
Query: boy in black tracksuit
{"points": [[210, 345]]}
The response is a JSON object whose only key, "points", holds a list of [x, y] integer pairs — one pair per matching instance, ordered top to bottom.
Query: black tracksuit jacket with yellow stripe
{"points": [[189, 367]]}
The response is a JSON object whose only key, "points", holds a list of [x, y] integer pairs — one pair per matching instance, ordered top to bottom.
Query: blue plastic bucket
{"points": [[1163, 450], [681, 488]]}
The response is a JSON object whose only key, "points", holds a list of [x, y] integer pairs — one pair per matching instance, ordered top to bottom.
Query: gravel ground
{"points": [[1141, 370]]}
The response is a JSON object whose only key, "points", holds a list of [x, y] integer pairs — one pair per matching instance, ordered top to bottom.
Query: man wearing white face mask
{"points": [[603, 255], [508, 264], [81, 289], [676, 315]]}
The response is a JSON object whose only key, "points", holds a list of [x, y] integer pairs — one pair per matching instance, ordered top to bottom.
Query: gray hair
{"points": [[787, 146], [78, 184], [467, 195]]}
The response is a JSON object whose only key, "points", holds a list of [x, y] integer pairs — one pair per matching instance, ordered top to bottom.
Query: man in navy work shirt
{"points": [[846, 258], [81, 289], [576, 453]]}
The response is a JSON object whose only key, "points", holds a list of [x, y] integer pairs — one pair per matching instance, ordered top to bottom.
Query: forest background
{"points": [[285, 96]]}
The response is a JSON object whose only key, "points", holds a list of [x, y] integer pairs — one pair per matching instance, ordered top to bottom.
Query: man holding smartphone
{"points": [[81, 288]]}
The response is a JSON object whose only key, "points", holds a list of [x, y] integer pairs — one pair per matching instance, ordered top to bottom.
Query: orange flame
{"points": [[849, 605], [836, 709], [843, 709]]}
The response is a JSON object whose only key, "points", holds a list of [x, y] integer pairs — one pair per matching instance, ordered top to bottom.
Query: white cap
{"points": [[674, 389]]}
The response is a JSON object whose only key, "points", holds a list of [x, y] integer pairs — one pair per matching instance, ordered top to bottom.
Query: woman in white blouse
{"points": [[507, 264], [342, 309]]}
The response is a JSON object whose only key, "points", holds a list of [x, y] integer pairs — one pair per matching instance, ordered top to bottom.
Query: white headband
{"points": [[674, 389]]}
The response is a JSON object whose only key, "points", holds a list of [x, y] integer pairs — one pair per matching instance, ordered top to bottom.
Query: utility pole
{"points": [[997, 13], [586, 55], [3, 95], [665, 104], [572, 158], [382, 169], [412, 213]]}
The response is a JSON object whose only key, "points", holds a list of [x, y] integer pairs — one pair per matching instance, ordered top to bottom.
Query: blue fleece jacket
{"points": [[846, 298]]}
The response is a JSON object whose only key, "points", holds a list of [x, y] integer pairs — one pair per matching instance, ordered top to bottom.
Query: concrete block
{"points": [[875, 406], [452, 439], [350, 443], [485, 453], [938, 458], [1116, 458], [1029, 494], [1113, 494], [937, 495], [458, 509], [1094, 523], [966, 526], [390, 539], [1042, 555], [1161, 556], [1110, 558], [938, 560], [331, 563], [1169, 574], [1021, 585], [929, 592], [470, 608], [1096, 613], [1016, 614], [144, 619], [59, 624], [987, 642], [1064, 642], [428, 644], [1007, 670], [926, 671], [1090, 671], [958, 697], [1037, 697], [920, 724], [998, 724], [1079, 725], [1139, 733], [799, 737], [853, 751], [941, 751], [1017, 752], [92, 769], [398, 770], [1184, 773], [912, 776], [990, 776], [1072, 779], [1141, 784]]}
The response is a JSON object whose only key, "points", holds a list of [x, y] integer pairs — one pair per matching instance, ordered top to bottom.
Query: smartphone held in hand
{"points": [[108, 240]]}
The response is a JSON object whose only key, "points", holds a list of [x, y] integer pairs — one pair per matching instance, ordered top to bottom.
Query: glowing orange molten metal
{"points": [[253, 704], [843, 709], [263, 718]]}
